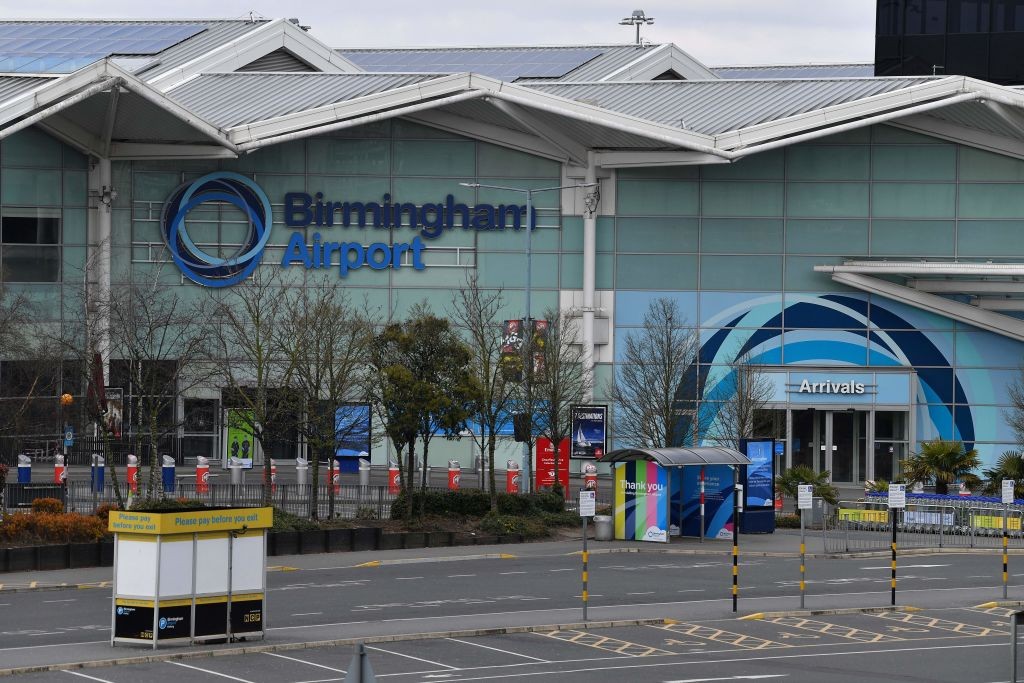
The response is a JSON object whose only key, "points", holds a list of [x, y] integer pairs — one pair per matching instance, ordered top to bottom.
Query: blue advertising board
{"points": [[352, 433], [759, 486], [718, 494]]}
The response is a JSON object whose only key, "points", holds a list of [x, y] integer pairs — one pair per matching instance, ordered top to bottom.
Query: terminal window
{"points": [[29, 245]]}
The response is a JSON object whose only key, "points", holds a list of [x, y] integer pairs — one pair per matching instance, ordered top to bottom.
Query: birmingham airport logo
{"points": [[223, 186]]}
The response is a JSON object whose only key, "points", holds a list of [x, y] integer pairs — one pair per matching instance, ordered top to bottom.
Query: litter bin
{"points": [[603, 530]]}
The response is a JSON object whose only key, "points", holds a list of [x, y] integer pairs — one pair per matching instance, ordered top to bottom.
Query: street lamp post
{"points": [[527, 329]]}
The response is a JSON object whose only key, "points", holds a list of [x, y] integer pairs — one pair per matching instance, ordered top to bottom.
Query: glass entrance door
{"points": [[833, 440], [848, 445]]}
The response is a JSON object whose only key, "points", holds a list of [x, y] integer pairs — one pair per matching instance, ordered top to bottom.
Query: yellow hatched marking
{"points": [[996, 611], [941, 624], [849, 632], [719, 636], [622, 647]]}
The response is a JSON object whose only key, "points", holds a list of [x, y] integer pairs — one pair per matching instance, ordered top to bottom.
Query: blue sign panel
{"points": [[352, 434], [760, 485], [718, 493]]}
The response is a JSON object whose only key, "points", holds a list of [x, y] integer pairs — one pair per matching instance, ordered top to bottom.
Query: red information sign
{"points": [[545, 469]]}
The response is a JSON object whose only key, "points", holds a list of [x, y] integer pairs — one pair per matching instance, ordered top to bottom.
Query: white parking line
{"points": [[563, 570], [507, 573], [460, 576], [407, 578], [643, 593], [65, 600], [306, 614], [497, 649], [418, 659], [303, 661], [212, 673], [91, 678]]}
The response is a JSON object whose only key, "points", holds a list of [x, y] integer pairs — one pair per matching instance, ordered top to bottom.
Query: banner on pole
{"points": [[588, 426]]}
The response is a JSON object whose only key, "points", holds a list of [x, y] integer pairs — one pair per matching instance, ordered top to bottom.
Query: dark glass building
{"points": [[979, 38]]}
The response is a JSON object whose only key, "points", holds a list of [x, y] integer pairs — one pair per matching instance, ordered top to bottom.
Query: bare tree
{"points": [[476, 311], [328, 340], [159, 346], [256, 373], [559, 380], [655, 390], [742, 396]]}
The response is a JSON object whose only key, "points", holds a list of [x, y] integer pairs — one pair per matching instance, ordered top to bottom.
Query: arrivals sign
{"points": [[328, 233], [588, 426], [641, 502]]}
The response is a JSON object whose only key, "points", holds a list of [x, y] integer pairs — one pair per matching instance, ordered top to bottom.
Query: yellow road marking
{"points": [[941, 624], [827, 628], [721, 636], [622, 647]]}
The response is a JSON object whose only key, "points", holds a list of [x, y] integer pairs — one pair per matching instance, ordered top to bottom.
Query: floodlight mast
{"points": [[638, 19]]}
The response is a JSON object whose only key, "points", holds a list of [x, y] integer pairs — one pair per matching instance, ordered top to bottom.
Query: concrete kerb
{"points": [[426, 560], [757, 616], [339, 642]]}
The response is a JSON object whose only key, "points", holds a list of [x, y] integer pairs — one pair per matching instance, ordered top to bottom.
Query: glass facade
{"points": [[733, 245]]}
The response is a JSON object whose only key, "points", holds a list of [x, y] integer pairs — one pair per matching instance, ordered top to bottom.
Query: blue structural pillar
{"points": [[24, 469], [168, 474]]}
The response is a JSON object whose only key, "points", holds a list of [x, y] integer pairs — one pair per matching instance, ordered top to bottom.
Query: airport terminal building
{"points": [[860, 237]]}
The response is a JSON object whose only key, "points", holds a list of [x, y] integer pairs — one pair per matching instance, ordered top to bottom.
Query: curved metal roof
{"points": [[680, 457]]}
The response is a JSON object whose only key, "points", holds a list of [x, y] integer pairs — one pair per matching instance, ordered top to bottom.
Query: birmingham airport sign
{"points": [[303, 210]]}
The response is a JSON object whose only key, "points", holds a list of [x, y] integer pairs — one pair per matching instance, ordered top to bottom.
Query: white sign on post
{"points": [[1007, 491], [897, 495], [804, 496], [588, 503]]}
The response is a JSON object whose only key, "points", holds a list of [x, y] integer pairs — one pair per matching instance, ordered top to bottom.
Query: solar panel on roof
{"points": [[63, 47], [507, 65]]}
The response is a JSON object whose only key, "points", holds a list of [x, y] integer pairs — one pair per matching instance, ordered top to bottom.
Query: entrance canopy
{"points": [[680, 457]]}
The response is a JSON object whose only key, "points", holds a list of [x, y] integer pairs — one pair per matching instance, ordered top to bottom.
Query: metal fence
{"points": [[351, 501], [854, 526]]}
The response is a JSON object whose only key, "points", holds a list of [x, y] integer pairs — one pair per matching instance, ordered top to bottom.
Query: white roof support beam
{"points": [[652, 62], [1008, 116], [29, 121], [108, 125], [939, 128], [488, 132], [71, 134], [146, 150], [574, 152], [634, 159], [933, 268], [968, 286], [993, 304], [972, 315]]}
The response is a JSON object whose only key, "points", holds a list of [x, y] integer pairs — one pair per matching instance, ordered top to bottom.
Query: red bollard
{"points": [[60, 473], [133, 473], [202, 474], [454, 474], [590, 476], [512, 477], [394, 480]]}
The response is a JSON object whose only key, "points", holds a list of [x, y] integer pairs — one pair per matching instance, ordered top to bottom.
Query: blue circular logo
{"points": [[223, 186], [120, 611], [163, 623]]}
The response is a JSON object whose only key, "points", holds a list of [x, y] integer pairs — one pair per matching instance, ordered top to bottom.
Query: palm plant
{"points": [[944, 462], [1009, 466], [788, 481]]}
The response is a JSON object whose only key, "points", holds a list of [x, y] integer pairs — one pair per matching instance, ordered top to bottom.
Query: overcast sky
{"points": [[716, 32]]}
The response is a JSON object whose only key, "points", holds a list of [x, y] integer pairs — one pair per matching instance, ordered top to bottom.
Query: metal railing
{"points": [[856, 526]]}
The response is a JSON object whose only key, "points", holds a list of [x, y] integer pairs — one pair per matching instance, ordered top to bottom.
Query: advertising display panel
{"points": [[589, 429], [352, 435], [240, 442], [544, 472], [759, 475], [718, 493], [641, 502]]}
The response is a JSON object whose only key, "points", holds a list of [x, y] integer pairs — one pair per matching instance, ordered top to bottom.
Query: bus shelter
{"points": [[691, 489]]}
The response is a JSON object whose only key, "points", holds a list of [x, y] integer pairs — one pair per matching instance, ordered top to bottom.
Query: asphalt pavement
{"points": [[466, 591]]}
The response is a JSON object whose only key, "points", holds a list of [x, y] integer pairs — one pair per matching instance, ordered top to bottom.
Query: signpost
{"points": [[1007, 491], [804, 501], [897, 501], [588, 508]]}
